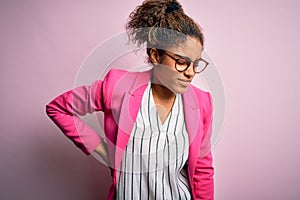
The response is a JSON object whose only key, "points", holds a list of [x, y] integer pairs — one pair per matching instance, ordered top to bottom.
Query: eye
{"points": [[182, 61]]}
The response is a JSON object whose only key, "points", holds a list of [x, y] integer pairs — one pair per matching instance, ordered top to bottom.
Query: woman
{"points": [[157, 125]]}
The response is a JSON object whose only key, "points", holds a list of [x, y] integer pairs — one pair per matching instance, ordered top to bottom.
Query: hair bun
{"points": [[172, 7], [161, 24]]}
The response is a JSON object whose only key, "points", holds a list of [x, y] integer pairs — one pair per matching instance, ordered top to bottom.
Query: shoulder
{"points": [[114, 75], [125, 78], [117, 80], [202, 95], [205, 102]]}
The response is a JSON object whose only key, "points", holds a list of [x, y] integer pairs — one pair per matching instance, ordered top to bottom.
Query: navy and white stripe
{"points": [[152, 165]]}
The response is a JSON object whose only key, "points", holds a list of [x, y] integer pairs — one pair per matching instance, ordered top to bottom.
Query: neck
{"points": [[159, 91], [162, 93]]}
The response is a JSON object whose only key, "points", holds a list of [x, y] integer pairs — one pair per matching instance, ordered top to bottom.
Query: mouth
{"points": [[184, 82]]}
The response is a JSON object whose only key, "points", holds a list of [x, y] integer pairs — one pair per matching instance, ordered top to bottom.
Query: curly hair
{"points": [[161, 24]]}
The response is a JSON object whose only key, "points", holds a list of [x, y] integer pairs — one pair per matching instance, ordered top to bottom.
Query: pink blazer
{"points": [[119, 96]]}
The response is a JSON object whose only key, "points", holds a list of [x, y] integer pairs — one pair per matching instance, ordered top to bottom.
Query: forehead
{"points": [[190, 48]]}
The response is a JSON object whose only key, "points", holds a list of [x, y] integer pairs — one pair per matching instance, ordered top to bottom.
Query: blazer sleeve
{"points": [[66, 108], [204, 171]]}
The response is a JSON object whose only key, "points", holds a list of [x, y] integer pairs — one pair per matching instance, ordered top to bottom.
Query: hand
{"points": [[101, 149]]}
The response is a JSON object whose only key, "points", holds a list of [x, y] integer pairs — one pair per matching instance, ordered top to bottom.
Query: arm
{"points": [[65, 110], [101, 150], [204, 171]]}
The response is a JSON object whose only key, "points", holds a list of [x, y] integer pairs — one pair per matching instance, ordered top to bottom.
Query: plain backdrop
{"points": [[254, 45]]}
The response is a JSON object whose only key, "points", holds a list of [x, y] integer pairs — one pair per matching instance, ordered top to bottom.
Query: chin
{"points": [[179, 90]]}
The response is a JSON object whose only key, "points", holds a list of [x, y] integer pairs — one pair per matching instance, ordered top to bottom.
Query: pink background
{"points": [[254, 45]]}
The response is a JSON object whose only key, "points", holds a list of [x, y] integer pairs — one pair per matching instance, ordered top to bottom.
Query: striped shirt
{"points": [[152, 166]]}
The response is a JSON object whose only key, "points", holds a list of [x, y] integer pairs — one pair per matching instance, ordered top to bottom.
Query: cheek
{"points": [[167, 75]]}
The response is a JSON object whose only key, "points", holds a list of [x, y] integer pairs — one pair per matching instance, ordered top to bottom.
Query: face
{"points": [[165, 73]]}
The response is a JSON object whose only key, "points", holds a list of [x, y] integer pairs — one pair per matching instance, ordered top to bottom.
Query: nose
{"points": [[189, 72]]}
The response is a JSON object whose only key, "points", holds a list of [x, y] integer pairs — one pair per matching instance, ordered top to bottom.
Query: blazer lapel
{"points": [[128, 113], [194, 125]]}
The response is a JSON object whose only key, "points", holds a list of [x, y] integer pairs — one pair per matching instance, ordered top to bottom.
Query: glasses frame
{"points": [[189, 62]]}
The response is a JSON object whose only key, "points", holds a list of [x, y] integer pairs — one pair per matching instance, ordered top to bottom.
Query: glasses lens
{"points": [[182, 64], [199, 66]]}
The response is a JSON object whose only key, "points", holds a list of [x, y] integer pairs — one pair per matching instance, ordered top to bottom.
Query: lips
{"points": [[184, 82]]}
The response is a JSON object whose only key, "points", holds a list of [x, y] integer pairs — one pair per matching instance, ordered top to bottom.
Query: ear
{"points": [[154, 56]]}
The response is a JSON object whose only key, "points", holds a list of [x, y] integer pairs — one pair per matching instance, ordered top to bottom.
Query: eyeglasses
{"points": [[183, 63]]}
